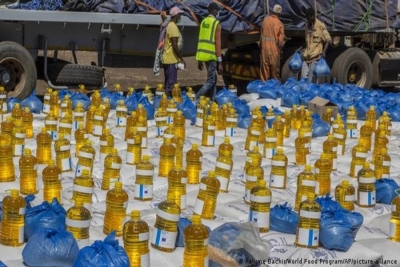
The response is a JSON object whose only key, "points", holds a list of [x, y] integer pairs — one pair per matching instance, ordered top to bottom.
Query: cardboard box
{"points": [[319, 105]]}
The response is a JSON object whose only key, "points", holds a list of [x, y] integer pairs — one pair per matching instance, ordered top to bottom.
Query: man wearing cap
{"points": [[271, 44], [209, 50], [172, 52]]}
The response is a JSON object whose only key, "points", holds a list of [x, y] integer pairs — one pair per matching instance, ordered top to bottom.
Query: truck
{"points": [[365, 57]]}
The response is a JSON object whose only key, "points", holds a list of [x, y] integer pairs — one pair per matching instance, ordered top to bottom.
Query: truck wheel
{"points": [[353, 66], [17, 70], [73, 74]]}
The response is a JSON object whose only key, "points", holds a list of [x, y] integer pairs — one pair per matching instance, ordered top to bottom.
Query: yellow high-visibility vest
{"points": [[206, 49]]}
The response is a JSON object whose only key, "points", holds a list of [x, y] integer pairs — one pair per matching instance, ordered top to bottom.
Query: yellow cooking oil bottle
{"points": [[232, 88], [118, 89], [160, 91], [130, 92], [177, 93], [190, 93], [96, 98], [3, 100], [46, 101], [164, 101], [55, 104], [66, 106], [107, 107], [171, 110], [16, 112], [201, 112], [293, 112], [218, 113], [300, 113], [121, 114], [78, 115], [270, 115], [328, 116], [371, 117], [90, 119], [161, 120], [287, 120], [98, 121], [27, 122], [231, 123], [51, 124], [352, 124], [388, 124], [179, 125], [7, 127], [141, 127], [279, 127], [381, 128], [169, 132], [253, 134], [340, 135], [366, 135], [208, 136], [80, 137], [18, 139], [381, 142], [178, 143], [271, 143], [43, 144], [106, 144], [134, 147], [330, 147], [62, 148], [302, 149], [252, 155], [359, 155], [86, 158], [167, 158], [194, 158], [382, 164], [279, 165], [112, 168], [223, 170], [322, 170], [7, 173], [253, 174], [28, 176], [51, 176], [144, 180], [177, 180], [306, 183], [83, 189], [366, 193], [345, 195], [206, 201], [260, 202], [116, 204], [13, 220], [78, 222], [394, 228], [165, 230], [307, 234], [135, 235], [195, 240]]}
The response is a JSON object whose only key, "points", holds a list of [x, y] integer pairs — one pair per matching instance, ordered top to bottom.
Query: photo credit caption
{"points": [[317, 261]]}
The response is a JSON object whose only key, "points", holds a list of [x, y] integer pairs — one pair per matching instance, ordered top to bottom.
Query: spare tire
{"points": [[74, 74]]}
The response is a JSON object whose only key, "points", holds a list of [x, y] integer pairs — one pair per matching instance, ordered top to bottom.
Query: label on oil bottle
{"points": [[121, 121], [199, 122], [65, 125], [98, 130], [210, 140], [65, 148], [86, 155], [361, 155], [278, 163], [386, 163], [66, 164], [116, 166], [223, 166], [145, 172], [277, 180], [223, 182], [83, 189], [143, 191], [349, 198], [367, 198], [183, 202], [198, 207], [393, 208], [261, 218], [21, 234], [308, 237], [163, 238], [145, 260]]}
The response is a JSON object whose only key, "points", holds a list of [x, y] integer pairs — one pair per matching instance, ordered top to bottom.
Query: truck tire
{"points": [[353, 66], [18, 73], [74, 74]]}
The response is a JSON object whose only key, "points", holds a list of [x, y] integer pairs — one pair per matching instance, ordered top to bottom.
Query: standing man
{"points": [[316, 36], [271, 44], [209, 50], [172, 52]]}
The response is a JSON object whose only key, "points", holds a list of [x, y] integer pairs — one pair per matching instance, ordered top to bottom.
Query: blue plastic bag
{"points": [[296, 63], [322, 69], [253, 86], [280, 90], [268, 92], [62, 93], [225, 96], [306, 97], [81, 98], [115, 98], [290, 98], [132, 101], [156, 102], [10, 103], [33, 103], [240, 105], [148, 106], [189, 110], [394, 112], [244, 120], [319, 127], [386, 190], [28, 200], [328, 204], [45, 215], [283, 219], [182, 224], [339, 228], [50, 247], [107, 253], [2, 264]]}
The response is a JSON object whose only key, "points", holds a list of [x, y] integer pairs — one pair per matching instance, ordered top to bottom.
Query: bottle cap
{"points": [[55, 93], [66, 97], [106, 100], [16, 105], [79, 105], [139, 106], [294, 106], [372, 107], [26, 109], [328, 110], [232, 111], [179, 112], [278, 118], [9, 119], [18, 123], [44, 130], [106, 131], [301, 134], [61, 135], [330, 137], [167, 140], [227, 140], [88, 142], [195, 146], [114, 150], [280, 150], [383, 150], [27, 152], [324, 156], [146, 158], [51, 162], [366, 165], [307, 168], [85, 172], [211, 174], [262, 183], [345, 183], [118, 185], [14, 192], [311, 195], [78, 202], [135, 215], [196, 219]]}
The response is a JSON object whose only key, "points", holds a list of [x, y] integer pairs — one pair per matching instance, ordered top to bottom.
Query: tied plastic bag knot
{"points": [[296, 63], [322, 69], [253, 86], [267, 91], [62, 93], [225, 96], [80, 98], [115, 98], [290, 98], [132, 101], [33, 103], [240, 105], [188, 109], [244, 120], [319, 127], [386, 190], [328, 204], [283, 219]]}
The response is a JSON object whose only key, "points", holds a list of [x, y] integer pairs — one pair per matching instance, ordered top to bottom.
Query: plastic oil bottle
{"points": [[232, 88], [82, 89], [118, 89], [160, 90], [177, 93], [191, 94], [96, 98], [3, 100], [46, 101], [164, 101], [55, 102], [66, 106], [107, 107], [171, 110], [16, 112], [201, 112], [293, 113], [300, 113], [121, 114], [218, 114], [78, 115], [270, 115], [328, 116], [371, 117], [90, 119], [161, 119], [287, 119], [352, 120], [336, 121], [27, 122], [98, 122], [131, 122], [231, 123], [51, 124], [388, 124], [179, 125], [65, 126], [7, 127], [279, 127], [381, 127], [142, 129], [169, 132], [253, 135], [340, 135], [366, 135], [208, 136], [80, 137], [18, 139], [381, 142], [43, 143], [106, 144], [270, 145], [330, 147], [62, 148], [134, 149], [302, 149], [252, 155], [359, 156], [86, 158], [167, 158], [194, 159], [382, 164], [279, 165], [112, 168], [223, 170], [322, 170], [7, 173], [28, 173], [253, 174], [144, 180], [177, 180], [51, 182], [306, 183], [83, 189], [366, 193], [345, 195], [206, 201], [260, 202], [116, 204], [13, 220], [78, 223], [166, 225], [394, 228], [307, 234], [136, 235], [196, 244]]}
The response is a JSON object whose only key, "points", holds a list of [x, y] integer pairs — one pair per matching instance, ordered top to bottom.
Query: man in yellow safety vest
{"points": [[209, 50]]}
